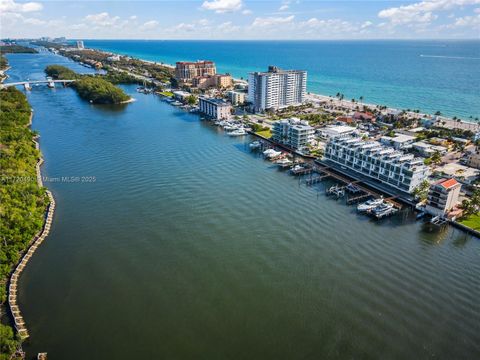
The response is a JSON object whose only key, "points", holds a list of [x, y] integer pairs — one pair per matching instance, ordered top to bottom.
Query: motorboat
{"points": [[231, 127], [238, 132], [255, 145], [271, 153], [283, 162], [369, 204], [383, 209]]}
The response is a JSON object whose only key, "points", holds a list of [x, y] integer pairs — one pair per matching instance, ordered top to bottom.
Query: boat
{"points": [[177, 103], [231, 127], [238, 132], [255, 145], [271, 153], [283, 162], [352, 188], [369, 205], [382, 210]]}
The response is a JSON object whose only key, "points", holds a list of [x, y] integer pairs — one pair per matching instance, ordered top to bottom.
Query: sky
{"points": [[241, 19]]}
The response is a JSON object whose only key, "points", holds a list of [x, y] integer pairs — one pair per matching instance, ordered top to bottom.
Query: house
{"points": [[399, 141], [443, 196]]}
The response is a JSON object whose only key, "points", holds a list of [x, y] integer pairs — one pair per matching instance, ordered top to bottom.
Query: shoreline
{"points": [[450, 121], [37, 240]]}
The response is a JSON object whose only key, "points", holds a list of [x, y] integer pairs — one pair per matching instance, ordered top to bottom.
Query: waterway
{"points": [[172, 240]]}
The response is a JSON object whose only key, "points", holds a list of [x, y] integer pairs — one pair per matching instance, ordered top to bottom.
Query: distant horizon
{"points": [[243, 19], [240, 40]]}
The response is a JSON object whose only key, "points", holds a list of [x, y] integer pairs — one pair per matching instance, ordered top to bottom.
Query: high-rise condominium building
{"points": [[186, 71], [276, 88]]}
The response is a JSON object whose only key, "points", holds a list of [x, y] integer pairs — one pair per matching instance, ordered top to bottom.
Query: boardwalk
{"points": [[37, 241]]}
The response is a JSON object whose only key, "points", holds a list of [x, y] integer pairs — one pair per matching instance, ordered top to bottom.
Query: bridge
{"points": [[26, 84]]}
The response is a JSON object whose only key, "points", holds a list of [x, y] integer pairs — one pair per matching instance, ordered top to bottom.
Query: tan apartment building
{"points": [[186, 71]]}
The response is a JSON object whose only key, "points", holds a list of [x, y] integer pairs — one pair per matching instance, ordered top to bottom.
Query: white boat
{"points": [[177, 103], [231, 127], [238, 132], [255, 145], [271, 153], [283, 162], [369, 205], [383, 209]]}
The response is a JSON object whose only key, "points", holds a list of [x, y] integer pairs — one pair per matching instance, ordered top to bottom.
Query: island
{"points": [[94, 89]]}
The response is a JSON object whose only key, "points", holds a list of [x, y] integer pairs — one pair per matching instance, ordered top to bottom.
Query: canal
{"points": [[172, 240]]}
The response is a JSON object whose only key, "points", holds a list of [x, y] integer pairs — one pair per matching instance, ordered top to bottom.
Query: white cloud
{"points": [[9, 6], [222, 6], [283, 7], [246, 12], [421, 12], [102, 19], [33, 21], [270, 21], [467, 21], [203, 22], [366, 24], [149, 25], [227, 27]]}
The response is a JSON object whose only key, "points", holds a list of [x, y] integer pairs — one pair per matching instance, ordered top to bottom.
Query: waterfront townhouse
{"points": [[276, 89], [214, 108], [293, 132], [392, 167], [443, 196]]}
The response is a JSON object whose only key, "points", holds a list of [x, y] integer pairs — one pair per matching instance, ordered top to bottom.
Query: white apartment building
{"points": [[276, 88], [236, 97], [214, 108], [334, 131], [293, 132], [392, 167]]}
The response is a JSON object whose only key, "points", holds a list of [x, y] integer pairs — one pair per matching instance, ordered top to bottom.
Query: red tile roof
{"points": [[447, 184]]}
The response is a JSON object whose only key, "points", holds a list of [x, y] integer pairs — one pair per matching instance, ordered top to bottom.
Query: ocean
{"points": [[426, 75]]}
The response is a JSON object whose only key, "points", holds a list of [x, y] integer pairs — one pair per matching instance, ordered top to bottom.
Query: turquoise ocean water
{"points": [[427, 75]]}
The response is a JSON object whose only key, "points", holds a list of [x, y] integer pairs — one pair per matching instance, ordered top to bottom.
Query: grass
{"points": [[166, 93], [265, 133], [473, 222]]}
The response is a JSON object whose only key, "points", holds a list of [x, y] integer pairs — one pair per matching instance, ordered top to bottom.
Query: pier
{"points": [[18, 320]]}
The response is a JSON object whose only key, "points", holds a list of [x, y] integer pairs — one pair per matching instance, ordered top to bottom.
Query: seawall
{"points": [[37, 240]]}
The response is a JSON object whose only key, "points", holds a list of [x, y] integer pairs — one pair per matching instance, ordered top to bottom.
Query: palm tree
{"points": [[361, 98]]}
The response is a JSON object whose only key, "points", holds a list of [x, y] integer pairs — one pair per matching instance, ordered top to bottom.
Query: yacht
{"points": [[231, 127], [237, 132], [271, 153], [369, 205], [383, 209]]}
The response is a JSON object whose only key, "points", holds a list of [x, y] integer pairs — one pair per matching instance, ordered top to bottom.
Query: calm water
{"points": [[425, 75], [188, 246]]}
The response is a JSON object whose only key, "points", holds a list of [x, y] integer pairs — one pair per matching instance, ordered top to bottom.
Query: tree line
{"points": [[22, 202]]}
